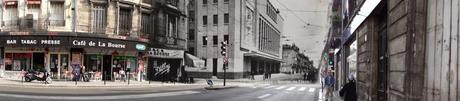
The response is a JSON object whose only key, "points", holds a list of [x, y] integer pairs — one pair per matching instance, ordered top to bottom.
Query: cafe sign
{"points": [[101, 44], [165, 53]]}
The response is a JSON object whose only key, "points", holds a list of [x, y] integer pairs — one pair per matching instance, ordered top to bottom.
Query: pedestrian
{"points": [[329, 83], [348, 91]]}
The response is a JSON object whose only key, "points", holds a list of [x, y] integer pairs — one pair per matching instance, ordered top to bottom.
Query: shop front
{"points": [[60, 55], [164, 64]]}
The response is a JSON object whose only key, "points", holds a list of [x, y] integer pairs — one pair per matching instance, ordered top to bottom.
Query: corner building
{"points": [[252, 29], [105, 36]]}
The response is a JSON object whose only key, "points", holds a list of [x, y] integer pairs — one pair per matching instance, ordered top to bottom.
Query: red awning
{"points": [[11, 2], [33, 2]]}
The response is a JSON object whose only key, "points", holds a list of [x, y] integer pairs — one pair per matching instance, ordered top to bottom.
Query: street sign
{"points": [[209, 82]]}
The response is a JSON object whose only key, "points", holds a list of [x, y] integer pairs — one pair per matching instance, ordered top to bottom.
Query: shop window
{"points": [[18, 61], [93, 63]]}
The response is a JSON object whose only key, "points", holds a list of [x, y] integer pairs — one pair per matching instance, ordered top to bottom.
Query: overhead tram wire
{"points": [[292, 12]]}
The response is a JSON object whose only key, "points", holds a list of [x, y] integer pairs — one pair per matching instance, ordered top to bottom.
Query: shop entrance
{"points": [[38, 61], [59, 65], [107, 67]]}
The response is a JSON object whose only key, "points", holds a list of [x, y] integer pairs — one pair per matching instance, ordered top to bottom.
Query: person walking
{"points": [[329, 83], [349, 90]]}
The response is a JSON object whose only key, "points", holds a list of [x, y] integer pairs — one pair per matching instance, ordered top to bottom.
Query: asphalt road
{"points": [[275, 91]]}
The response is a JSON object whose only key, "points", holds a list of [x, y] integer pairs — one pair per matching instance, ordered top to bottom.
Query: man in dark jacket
{"points": [[349, 90]]}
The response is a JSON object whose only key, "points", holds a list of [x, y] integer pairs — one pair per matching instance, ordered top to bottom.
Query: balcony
{"points": [[56, 23], [24, 25]]}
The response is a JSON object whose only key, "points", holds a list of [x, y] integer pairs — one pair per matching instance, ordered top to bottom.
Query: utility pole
{"points": [[223, 52]]}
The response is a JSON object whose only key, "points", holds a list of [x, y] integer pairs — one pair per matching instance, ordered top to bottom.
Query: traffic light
{"points": [[223, 48], [331, 59]]}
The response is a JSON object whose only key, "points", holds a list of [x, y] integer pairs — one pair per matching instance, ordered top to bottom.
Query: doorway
{"points": [[38, 61], [58, 65], [382, 65], [107, 67], [214, 67]]}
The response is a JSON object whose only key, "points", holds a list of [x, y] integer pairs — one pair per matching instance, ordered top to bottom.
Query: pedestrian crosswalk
{"points": [[289, 88]]}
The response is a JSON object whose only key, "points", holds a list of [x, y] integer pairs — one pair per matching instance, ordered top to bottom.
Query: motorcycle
{"points": [[39, 76]]}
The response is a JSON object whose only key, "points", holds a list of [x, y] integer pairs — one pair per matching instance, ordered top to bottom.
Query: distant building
{"points": [[253, 29], [294, 61]]}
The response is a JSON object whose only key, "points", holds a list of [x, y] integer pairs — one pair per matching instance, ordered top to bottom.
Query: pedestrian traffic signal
{"points": [[223, 48]]}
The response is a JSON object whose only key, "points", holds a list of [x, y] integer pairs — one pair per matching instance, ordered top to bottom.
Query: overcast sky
{"points": [[305, 24]]}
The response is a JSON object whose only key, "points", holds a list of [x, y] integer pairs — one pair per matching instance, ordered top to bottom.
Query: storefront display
{"points": [[164, 64]]}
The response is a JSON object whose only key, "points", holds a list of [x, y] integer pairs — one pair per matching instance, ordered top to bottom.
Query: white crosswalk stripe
{"points": [[269, 87], [281, 87], [291, 88], [302, 89], [311, 90]]}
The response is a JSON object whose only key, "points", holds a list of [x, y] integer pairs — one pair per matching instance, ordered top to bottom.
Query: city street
{"points": [[279, 90]]}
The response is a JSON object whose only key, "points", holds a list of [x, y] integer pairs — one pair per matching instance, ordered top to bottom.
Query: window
{"points": [[216, 1], [225, 1], [172, 2], [205, 2], [57, 14], [11, 16], [98, 18], [226, 18], [215, 19], [205, 20], [125, 21], [146, 22], [171, 26], [191, 34], [226, 38], [205, 40], [215, 40], [205, 62]]}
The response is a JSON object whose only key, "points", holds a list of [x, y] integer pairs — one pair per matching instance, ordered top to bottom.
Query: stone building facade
{"points": [[406, 49]]}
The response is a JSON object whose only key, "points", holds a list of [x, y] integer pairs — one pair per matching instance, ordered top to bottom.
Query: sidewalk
{"points": [[110, 84], [335, 96]]}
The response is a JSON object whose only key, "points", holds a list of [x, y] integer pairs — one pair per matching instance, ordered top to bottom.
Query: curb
{"points": [[219, 88]]}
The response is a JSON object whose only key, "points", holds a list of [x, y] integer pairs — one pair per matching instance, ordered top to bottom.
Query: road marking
{"points": [[269, 87], [281, 87], [291, 88], [302, 89], [311, 90], [264, 96], [111, 97]]}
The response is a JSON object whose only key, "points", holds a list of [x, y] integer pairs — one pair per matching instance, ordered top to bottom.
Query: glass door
{"points": [[54, 65]]}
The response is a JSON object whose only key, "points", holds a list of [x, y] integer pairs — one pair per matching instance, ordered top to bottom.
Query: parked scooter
{"points": [[39, 76]]}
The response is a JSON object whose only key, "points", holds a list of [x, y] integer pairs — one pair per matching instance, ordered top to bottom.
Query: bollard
{"points": [[105, 77], [128, 78]]}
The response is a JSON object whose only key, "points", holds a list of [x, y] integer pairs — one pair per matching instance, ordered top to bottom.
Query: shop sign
{"points": [[32, 42], [97, 44], [140, 47], [165, 53]]}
